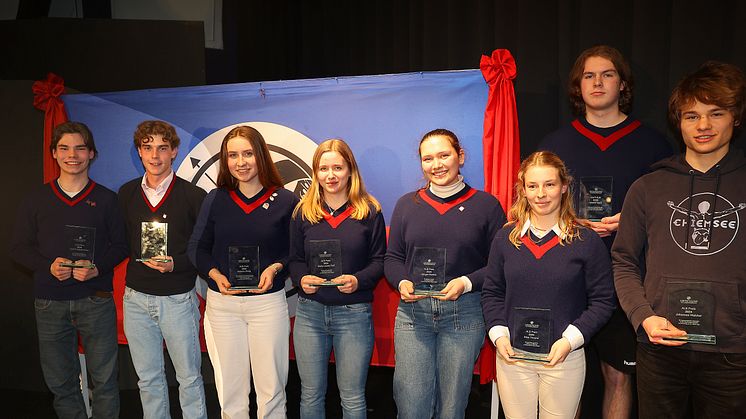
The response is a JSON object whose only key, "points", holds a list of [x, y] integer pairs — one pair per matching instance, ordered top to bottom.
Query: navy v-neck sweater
{"points": [[179, 208], [228, 218], [463, 224], [40, 237], [363, 245]]}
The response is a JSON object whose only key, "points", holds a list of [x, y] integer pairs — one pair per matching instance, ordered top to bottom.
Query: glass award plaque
{"points": [[594, 197], [153, 241], [81, 243], [326, 260], [243, 267], [429, 270], [691, 307], [531, 334]]}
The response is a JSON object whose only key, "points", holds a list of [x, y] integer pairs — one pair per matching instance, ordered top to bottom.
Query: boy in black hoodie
{"points": [[689, 310]]}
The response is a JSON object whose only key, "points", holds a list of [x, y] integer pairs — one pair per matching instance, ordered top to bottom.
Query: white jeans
{"points": [[248, 335], [524, 386]]}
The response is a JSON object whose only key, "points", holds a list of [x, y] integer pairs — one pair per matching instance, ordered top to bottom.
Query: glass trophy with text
{"points": [[594, 197], [153, 242], [81, 243], [326, 260], [243, 267], [429, 270], [691, 308], [531, 334]]}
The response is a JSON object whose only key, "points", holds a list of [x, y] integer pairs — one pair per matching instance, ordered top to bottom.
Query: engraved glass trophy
{"points": [[594, 197], [153, 242], [81, 243], [326, 260], [243, 267], [429, 270], [691, 307], [531, 334]]}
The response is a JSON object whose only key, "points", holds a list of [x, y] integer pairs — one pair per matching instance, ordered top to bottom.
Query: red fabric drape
{"points": [[47, 98], [501, 149]]}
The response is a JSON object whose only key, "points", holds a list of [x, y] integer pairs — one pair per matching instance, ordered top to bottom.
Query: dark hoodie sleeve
{"points": [[626, 252]]}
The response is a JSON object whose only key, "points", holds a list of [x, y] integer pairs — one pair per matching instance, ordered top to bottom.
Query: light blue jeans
{"points": [[148, 320], [58, 324], [349, 330], [437, 344]]}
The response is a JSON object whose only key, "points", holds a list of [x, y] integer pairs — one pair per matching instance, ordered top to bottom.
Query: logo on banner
{"points": [[291, 151], [709, 226]]}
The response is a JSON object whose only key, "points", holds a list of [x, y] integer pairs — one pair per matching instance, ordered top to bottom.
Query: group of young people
{"points": [[539, 282]]}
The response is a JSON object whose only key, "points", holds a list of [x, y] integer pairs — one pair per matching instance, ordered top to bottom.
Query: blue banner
{"points": [[382, 118]]}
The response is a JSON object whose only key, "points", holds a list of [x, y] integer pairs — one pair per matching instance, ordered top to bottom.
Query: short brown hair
{"points": [[620, 65], [714, 83], [72, 127], [147, 129], [266, 170]]}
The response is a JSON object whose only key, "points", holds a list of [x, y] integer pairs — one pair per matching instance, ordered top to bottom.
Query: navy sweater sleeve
{"points": [[495, 222], [203, 238], [24, 247], [117, 248], [396, 253], [369, 276], [599, 285]]}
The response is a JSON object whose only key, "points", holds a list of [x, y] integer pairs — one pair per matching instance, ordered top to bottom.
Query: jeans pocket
{"points": [[180, 298], [98, 300], [42, 303], [358, 308], [405, 316], [735, 360]]}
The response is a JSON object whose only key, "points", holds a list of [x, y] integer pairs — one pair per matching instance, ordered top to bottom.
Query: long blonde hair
{"points": [[359, 199], [521, 210]]}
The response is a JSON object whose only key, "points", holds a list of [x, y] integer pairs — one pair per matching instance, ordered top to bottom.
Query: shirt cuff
{"points": [[467, 283], [496, 332], [573, 335]]}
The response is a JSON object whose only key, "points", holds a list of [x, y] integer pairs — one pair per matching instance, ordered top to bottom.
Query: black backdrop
{"points": [[285, 39]]}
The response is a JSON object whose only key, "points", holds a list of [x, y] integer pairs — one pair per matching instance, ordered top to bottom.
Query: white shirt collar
{"points": [[155, 195], [556, 228]]}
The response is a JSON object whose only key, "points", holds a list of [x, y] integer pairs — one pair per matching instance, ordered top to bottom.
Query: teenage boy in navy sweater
{"points": [[606, 150], [686, 216], [70, 234], [160, 301]]}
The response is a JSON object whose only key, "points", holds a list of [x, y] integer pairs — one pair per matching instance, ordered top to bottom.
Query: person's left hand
{"points": [[606, 226], [161, 267], [84, 274], [267, 278], [349, 283], [452, 290], [560, 349]]}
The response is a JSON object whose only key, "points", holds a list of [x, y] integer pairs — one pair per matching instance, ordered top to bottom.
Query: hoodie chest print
{"points": [[704, 224]]}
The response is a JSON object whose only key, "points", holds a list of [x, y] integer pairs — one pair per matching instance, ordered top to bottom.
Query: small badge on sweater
{"points": [[265, 205], [461, 208]]}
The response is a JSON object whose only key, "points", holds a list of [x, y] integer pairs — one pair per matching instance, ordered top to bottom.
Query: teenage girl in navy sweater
{"points": [[336, 213], [548, 290], [246, 331], [437, 338]]}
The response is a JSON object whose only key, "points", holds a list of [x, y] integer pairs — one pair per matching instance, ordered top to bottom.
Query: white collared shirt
{"points": [[155, 195]]}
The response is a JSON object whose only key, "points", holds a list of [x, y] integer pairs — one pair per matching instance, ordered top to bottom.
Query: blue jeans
{"points": [[148, 320], [58, 324], [349, 330], [436, 343], [669, 380]]}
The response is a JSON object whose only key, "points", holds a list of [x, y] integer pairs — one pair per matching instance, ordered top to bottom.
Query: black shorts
{"points": [[616, 343]]}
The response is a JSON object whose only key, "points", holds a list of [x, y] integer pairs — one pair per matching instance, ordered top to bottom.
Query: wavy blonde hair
{"points": [[310, 207], [521, 210]]}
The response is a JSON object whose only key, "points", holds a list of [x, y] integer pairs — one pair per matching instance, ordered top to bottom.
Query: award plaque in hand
{"points": [[594, 197], [153, 241], [81, 243], [326, 260], [243, 267], [429, 270], [691, 308], [531, 334]]}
